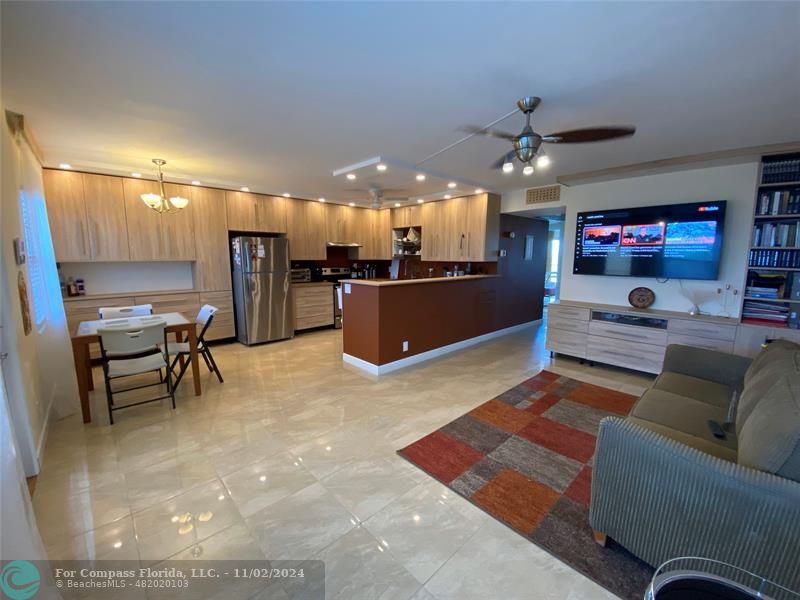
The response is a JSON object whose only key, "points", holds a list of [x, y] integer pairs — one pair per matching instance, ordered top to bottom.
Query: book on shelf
{"points": [[777, 171], [778, 202], [777, 235], [784, 258]]}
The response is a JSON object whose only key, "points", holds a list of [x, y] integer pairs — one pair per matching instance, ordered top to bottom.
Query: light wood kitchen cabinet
{"points": [[255, 212], [66, 213], [407, 216], [105, 217], [342, 223], [144, 224], [483, 227], [306, 229], [461, 229], [153, 235], [178, 235], [377, 235], [212, 267], [313, 305], [223, 325]]}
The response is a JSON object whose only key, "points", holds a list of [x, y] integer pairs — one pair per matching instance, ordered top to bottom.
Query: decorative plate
{"points": [[641, 297]]}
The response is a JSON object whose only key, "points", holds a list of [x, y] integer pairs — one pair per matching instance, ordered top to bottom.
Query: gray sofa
{"points": [[664, 486]]}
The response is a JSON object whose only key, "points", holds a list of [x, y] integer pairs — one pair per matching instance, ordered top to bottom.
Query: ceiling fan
{"points": [[526, 144], [378, 195]]}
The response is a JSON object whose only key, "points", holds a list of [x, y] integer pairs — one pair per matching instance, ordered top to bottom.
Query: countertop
{"points": [[388, 282], [311, 283], [127, 295]]}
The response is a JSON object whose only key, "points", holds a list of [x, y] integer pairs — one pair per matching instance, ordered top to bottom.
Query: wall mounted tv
{"points": [[681, 241]]}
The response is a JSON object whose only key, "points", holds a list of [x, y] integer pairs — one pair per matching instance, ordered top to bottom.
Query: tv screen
{"points": [[681, 241]]}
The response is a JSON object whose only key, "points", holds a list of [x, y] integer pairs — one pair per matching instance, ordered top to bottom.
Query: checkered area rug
{"points": [[525, 458]]}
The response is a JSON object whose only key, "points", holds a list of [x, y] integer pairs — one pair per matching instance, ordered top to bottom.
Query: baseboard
{"points": [[374, 369], [42, 443]]}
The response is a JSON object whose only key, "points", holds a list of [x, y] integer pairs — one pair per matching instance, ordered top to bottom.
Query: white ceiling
{"points": [[276, 96]]}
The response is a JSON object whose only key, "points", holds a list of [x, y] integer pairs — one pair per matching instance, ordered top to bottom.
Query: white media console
{"points": [[637, 338]]}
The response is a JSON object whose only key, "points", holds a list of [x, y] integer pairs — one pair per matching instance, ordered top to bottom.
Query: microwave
{"points": [[301, 275]]}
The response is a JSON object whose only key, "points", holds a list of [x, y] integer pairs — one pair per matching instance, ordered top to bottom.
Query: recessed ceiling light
{"points": [[543, 161], [65, 166], [381, 167], [508, 167], [527, 170], [137, 175], [351, 176], [420, 177], [195, 182], [451, 185], [245, 189], [478, 190], [287, 195], [447, 196], [322, 199], [420, 200], [351, 203], [397, 205]]}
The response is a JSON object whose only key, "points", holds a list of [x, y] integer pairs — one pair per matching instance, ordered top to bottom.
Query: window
{"points": [[34, 221]]}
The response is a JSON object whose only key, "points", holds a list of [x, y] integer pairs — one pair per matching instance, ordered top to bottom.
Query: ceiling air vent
{"points": [[539, 195]]}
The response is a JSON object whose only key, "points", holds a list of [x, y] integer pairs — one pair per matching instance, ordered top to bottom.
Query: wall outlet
{"points": [[405, 346]]}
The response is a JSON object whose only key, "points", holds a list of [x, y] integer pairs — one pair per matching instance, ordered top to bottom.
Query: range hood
{"points": [[343, 245]]}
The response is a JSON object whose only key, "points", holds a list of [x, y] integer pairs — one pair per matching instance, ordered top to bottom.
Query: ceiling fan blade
{"points": [[590, 134], [503, 135], [507, 157]]}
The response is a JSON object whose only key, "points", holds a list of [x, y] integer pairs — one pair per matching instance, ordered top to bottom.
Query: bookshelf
{"points": [[772, 289]]}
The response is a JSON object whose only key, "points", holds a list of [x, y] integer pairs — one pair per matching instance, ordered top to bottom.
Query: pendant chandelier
{"points": [[159, 202]]}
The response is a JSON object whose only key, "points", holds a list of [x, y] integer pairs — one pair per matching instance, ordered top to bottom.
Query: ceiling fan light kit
{"points": [[159, 202]]}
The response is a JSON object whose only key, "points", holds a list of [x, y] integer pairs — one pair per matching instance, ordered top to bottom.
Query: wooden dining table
{"points": [[86, 334]]}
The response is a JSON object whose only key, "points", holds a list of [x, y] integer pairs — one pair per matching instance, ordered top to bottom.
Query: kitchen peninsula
{"points": [[390, 324]]}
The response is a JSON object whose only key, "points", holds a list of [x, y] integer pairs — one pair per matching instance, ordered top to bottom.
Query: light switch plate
{"points": [[347, 287], [405, 346]]}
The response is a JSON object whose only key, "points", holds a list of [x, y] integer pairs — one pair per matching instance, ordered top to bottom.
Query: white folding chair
{"points": [[120, 312], [118, 343], [179, 349]]}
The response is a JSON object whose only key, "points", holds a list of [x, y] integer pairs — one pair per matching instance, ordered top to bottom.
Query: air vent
{"points": [[539, 195]]}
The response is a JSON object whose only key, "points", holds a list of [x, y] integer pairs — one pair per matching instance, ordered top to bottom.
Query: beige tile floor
{"points": [[294, 457]]}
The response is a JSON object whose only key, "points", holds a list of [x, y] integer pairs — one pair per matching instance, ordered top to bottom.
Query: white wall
{"points": [[734, 183], [124, 277], [39, 371]]}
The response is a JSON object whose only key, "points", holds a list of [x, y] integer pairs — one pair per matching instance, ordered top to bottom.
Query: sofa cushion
{"points": [[764, 358], [781, 361], [703, 390], [681, 413], [769, 440], [714, 448]]}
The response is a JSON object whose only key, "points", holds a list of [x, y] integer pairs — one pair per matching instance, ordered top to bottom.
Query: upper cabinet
{"points": [[66, 212], [256, 212], [86, 215], [407, 216], [105, 217], [342, 224], [306, 229], [461, 229], [153, 235], [377, 235], [212, 269]]}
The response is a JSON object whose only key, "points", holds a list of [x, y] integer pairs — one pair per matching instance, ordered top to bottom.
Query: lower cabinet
{"points": [[313, 305]]}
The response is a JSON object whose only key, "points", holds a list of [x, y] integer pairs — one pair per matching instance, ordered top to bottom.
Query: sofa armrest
{"points": [[722, 367], [661, 499]]}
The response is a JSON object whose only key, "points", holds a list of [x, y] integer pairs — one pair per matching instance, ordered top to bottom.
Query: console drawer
{"points": [[569, 312], [559, 321], [716, 331], [631, 333], [566, 342], [700, 342], [624, 353]]}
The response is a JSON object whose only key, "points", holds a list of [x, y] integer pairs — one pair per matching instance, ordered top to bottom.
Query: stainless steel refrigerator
{"points": [[261, 291]]}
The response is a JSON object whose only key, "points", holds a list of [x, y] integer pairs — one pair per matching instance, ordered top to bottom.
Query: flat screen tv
{"points": [[681, 241]]}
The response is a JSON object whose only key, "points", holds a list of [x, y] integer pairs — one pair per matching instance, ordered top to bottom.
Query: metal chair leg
{"points": [[210, 358], [180, 373], [109, 399]]}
